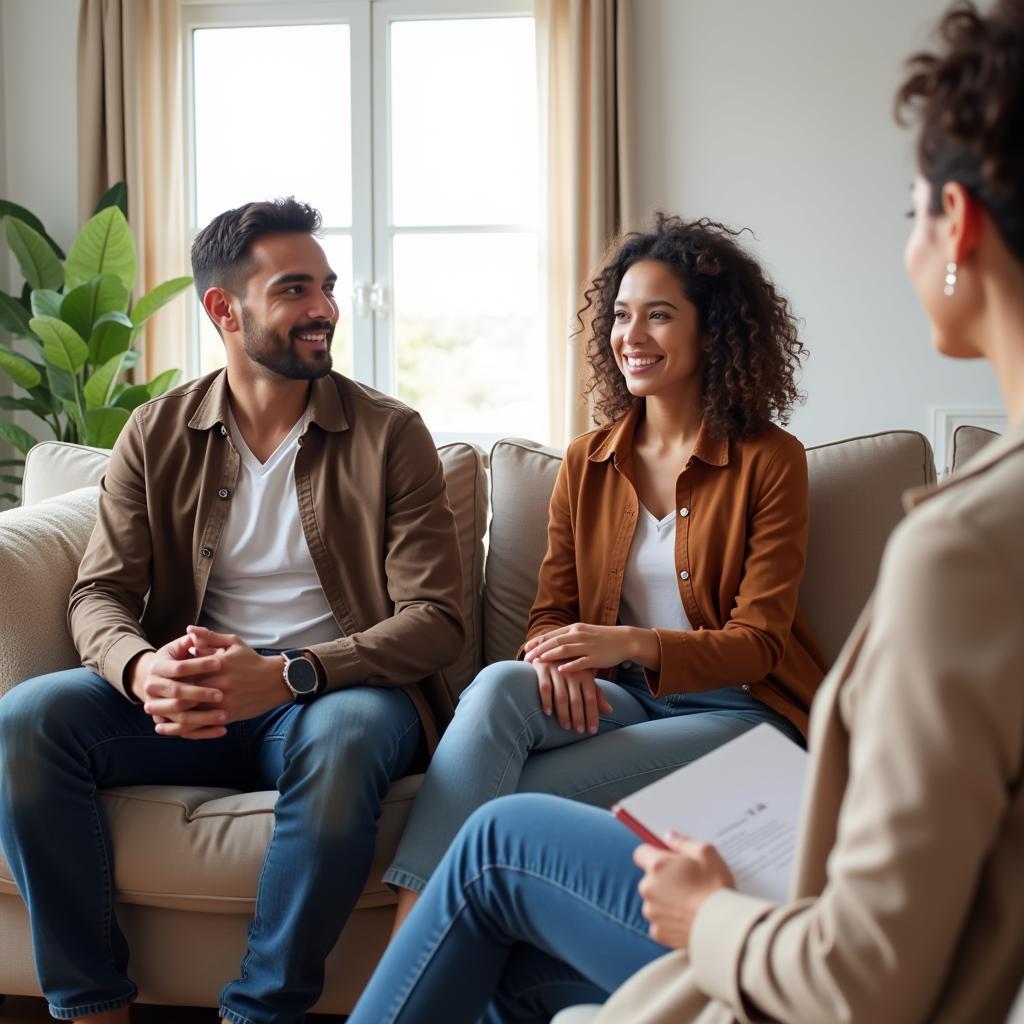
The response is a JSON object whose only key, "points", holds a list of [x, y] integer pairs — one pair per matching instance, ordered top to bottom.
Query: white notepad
{"points": [[745, 798]]}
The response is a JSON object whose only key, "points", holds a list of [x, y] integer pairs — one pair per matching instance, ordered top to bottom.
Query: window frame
{"points": [[373, 228]]}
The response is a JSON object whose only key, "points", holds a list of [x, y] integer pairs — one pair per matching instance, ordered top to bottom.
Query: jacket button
{"points": [[223, 431], [222, 493], [684, 512], [207, 552], [684, 575], [746, 687]]}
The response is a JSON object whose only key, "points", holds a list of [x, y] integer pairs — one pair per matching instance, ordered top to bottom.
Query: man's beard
{"points": [[277, 353]]}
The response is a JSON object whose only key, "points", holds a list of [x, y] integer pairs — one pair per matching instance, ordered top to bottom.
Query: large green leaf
{"points": [[116, 195], [9, 209], [104, 246], [37, 260], [157, 297], [45, 302], [84, 305], [13, 315], [111, 335], [62, 344], [19, 369], [163, 382], [62, 385], [99, 386], [132, 397], [31, 405], [103, 425], [17, 436]]}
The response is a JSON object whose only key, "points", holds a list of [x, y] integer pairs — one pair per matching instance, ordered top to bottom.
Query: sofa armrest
{"points": [[40, 548]]}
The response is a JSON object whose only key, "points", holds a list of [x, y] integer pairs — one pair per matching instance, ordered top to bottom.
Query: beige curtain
{"points": [[583, 57], [130, 128]]}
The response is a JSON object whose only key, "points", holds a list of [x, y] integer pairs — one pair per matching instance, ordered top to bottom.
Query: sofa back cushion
{"points": [[967, 442], [54, 467], [522, 479], [466, 481], [856, 489], [40, 548]]}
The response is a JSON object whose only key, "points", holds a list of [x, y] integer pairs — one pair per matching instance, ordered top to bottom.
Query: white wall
{"points": [[39, 57], [776, 115], [38, 128]]}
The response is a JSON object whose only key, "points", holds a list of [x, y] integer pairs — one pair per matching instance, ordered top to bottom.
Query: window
{"points": [[413, 128]]}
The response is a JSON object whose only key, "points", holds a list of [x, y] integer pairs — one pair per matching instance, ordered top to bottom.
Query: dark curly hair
{"points": [[969, 100], [753, 351]]}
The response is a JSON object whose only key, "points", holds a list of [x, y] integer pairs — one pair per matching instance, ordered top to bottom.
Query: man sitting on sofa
{"points": [[272, 580]]}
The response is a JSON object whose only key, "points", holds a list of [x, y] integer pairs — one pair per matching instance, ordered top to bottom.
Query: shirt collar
{"points": [[324, 408], [714, 451]]}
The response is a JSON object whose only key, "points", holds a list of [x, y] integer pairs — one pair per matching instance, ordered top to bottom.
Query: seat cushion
{"points": [[201, 849]]}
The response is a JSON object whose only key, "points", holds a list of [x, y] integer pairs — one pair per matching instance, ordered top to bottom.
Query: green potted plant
{"points": [[77, 316]]}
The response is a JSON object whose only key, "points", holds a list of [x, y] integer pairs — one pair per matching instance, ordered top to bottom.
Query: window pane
{"points": [[273, 118], [464, 128], [339, 255], [466, 332]]}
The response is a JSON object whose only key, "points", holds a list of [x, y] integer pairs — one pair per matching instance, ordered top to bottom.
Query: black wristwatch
{"points": [[300, 676]]}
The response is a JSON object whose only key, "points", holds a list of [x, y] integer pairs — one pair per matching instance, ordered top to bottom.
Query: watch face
{"points": [[301, 676]]}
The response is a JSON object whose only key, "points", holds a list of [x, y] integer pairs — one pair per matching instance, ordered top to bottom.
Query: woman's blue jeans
{"points": [[64, 736], [501, 742], [533, 908]]}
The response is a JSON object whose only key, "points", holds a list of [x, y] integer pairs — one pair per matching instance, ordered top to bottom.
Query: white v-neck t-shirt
{"points": [[263, 585], [650, 590]]}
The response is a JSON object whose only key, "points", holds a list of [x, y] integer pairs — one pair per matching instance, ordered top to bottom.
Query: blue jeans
{"points": [[64, 736], [501, 742], [533, 908]]}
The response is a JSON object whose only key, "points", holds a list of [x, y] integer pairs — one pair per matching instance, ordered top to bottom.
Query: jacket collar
{"points": [[324, 408], [713, 451], [995, 451]]}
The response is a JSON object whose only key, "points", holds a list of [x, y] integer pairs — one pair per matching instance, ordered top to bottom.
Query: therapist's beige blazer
{"points": [[908, 897]]}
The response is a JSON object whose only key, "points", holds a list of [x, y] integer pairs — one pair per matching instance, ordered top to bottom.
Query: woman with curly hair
{"points": [[665, 621], [907, 899]]}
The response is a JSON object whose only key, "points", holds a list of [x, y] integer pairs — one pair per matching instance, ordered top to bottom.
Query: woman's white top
{"points": [[263, 585], [650, 589]]}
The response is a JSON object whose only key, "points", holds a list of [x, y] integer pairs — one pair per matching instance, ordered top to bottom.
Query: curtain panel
{"points": [[583, 50], [130, 128]]}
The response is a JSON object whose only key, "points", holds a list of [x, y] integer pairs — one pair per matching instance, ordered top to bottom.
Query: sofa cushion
{"points": [[967, 442], [56, 467], [522, 479], [466, 482], [857, 487], [40, 548], [202, 849]]}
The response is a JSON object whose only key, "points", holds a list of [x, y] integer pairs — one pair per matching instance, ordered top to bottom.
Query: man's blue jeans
{"points": [[64, 736], [533, 908]]}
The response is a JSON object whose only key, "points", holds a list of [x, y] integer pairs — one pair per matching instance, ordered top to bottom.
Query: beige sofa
{"points": [[187, 858]]}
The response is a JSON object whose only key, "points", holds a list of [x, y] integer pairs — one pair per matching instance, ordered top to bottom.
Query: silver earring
{"points": [[950, 279]]}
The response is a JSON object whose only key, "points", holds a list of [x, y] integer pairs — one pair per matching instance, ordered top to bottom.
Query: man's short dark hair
{"points": [[221, 253]]}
